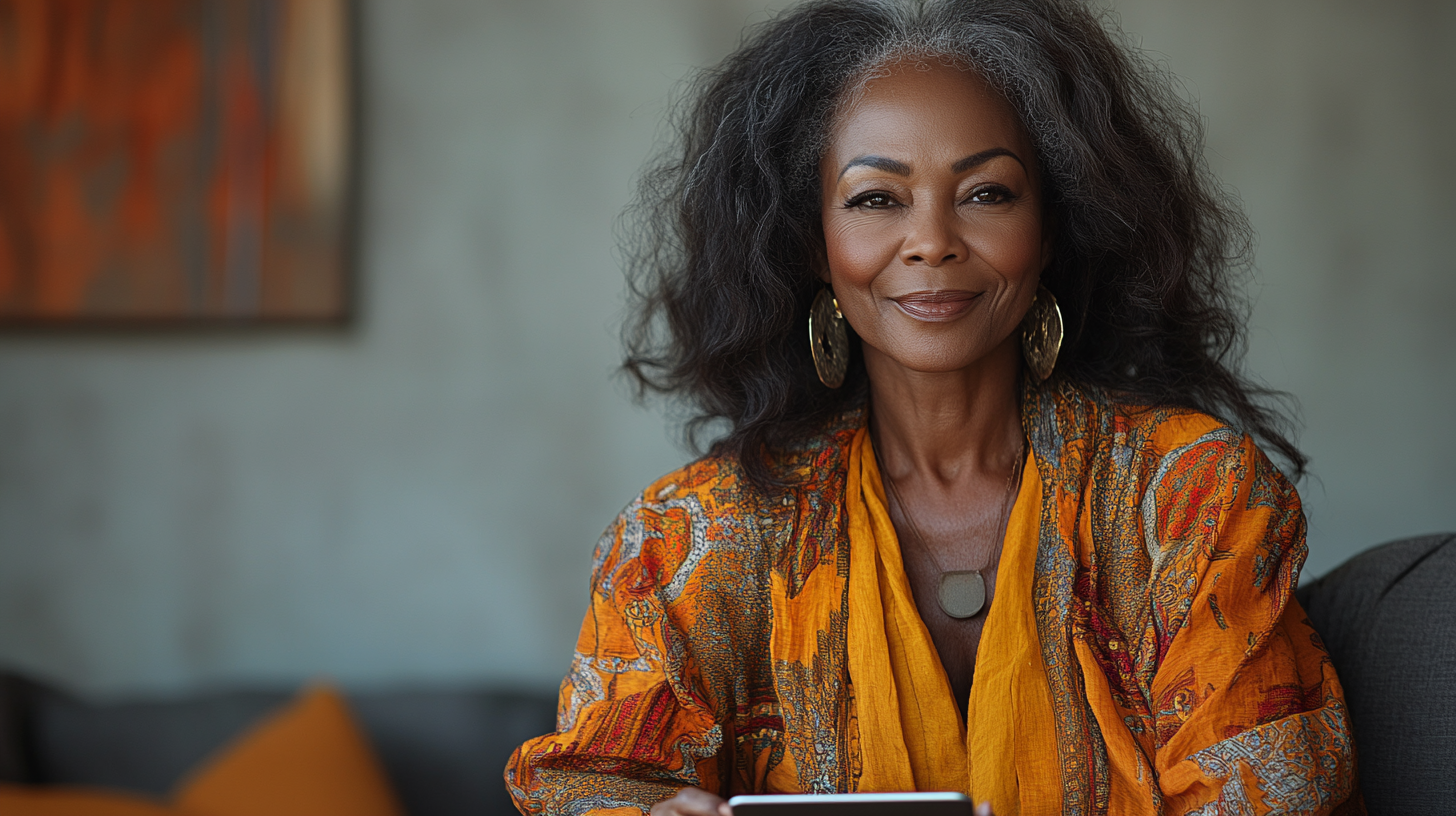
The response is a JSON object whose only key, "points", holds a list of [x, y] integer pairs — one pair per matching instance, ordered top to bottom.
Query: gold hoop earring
{"points": [[1041, 334], [828, 340]]}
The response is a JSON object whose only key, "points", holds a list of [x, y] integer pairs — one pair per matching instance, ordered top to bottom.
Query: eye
{"points": [[990, 194], [870, 201]]}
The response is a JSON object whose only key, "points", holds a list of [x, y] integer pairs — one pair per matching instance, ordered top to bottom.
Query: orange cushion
{"points": [[309, 759], [17, 800]]}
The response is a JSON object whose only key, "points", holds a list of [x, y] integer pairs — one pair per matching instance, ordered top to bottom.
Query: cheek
{"points": [[1013, 246], [857, 252]]}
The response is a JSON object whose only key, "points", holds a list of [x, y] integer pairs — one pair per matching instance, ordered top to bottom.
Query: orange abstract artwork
{"points": [[173, 160]]}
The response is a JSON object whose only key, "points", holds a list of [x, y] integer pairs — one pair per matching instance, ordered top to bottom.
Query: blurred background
{"points": [[410, 497]]}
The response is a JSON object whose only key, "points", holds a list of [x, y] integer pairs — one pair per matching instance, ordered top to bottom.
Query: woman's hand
{"points": [[692, 802]]}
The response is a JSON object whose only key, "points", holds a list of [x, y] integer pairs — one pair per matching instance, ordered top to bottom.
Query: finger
{"points": [[701, 799], [689, 802], [674, 807], [984, 809]]}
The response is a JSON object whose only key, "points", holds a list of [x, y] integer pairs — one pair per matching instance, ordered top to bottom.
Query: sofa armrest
{"points": [[15, 755]]}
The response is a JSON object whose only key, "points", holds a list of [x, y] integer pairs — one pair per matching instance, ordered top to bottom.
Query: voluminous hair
{"points": [[722, 243]]}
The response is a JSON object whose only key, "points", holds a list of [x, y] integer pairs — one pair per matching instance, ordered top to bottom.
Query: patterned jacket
{"points": [[714, 650]]}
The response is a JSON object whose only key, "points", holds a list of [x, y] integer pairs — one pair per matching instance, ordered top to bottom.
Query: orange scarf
{"points": [[910, 731]]}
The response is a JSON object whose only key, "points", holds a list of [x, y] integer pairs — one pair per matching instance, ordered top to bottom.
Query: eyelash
{"points": [[1003, 195], [864, 198]]}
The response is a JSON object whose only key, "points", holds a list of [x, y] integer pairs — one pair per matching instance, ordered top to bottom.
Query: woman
{"points": [[998, 523]]}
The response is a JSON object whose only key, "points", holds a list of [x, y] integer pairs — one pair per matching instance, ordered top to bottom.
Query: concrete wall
{"points": [[414, 499]]}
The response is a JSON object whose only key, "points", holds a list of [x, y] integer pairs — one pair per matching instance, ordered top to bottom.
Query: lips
{"points": [[939, 305]]}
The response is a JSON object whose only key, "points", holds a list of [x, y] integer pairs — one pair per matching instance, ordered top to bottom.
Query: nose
{"points": [[933, 239]]}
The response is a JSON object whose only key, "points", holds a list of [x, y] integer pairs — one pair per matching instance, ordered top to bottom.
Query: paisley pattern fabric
{"points": [[1184, 676]]}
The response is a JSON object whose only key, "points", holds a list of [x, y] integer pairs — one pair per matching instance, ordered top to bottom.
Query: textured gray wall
{"points": [[415, 499]]}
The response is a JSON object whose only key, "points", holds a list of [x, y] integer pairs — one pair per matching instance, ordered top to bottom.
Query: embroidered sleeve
{"points": [[641, 711], [1248, 713]]}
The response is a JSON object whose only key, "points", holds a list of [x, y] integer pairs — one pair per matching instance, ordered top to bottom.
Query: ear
{"points": [[1048, 241], [819, 264]]}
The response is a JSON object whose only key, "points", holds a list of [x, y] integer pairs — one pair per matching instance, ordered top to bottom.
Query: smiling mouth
{"points": [[937, 306]]}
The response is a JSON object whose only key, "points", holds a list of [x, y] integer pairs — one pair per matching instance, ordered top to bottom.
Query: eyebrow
{"points": [[978, 159], [879, 163], [900, 168]]}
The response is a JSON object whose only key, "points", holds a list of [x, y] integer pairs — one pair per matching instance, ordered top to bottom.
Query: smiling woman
{"points": [[932, 217], [934, 243], [939, 548]]}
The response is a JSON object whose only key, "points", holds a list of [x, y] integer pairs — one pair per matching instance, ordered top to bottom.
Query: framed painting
{"points": [[174, 161]]}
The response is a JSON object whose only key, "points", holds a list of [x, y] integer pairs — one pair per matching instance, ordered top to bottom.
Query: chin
{"points": [[942, 363]]}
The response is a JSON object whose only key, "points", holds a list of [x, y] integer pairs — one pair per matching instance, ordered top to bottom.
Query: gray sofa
{"points": [[1387, 615], [444, 750]]}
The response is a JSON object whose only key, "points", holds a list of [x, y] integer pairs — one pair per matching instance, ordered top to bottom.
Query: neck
{"points": [[947, 426]]}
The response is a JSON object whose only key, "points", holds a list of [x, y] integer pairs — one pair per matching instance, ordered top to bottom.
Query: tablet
{"points": [[853, 804]]}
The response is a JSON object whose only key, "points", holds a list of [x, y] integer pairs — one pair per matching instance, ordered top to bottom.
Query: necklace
{"points": [[961, 593]]}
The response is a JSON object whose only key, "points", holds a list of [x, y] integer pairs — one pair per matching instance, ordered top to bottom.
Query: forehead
{"points": [[928, 109]]}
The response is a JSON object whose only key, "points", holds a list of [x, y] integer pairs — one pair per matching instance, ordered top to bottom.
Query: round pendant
{"points": [[962, 594]]}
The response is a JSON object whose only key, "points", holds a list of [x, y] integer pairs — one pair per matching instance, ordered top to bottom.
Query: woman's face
{"points": [[932, 218]]}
